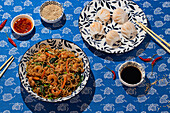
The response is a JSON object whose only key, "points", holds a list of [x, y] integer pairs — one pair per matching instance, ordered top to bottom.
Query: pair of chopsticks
{"points": [[158, 39], [7, 65]]}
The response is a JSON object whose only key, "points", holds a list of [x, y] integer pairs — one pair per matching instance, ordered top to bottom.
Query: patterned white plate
{"points": [[135, 13], [57, 44]]}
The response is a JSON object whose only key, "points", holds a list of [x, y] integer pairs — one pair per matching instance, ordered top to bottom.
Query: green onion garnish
{"points": [[50, 52], [49, 85], [50, 94], [50, 98]]}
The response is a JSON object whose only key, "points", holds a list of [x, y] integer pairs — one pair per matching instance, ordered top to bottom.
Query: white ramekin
{"points": [[49, 3], [22, 16], [134, 64]]}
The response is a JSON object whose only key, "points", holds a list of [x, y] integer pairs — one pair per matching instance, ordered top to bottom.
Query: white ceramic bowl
{"points": [[49, 3], [22, 16], [134, 64]]}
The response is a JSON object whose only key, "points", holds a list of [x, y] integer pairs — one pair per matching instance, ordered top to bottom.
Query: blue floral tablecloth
{"points": [[102, 93]]}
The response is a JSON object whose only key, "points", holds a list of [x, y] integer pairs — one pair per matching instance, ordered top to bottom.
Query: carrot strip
{"points": [[48, 54], [59, 55], [71, 55], [51, 66], [43, 73], [36, 78], [64, 82]]}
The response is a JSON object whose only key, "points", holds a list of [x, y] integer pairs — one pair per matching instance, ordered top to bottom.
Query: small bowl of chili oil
{"points": [[22, 24]]}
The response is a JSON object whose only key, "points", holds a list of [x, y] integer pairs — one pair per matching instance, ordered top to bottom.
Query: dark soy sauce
{"points": [[131, 75]]}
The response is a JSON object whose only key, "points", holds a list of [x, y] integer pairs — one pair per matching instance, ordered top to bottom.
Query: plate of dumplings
{"points": [[109, 25]]}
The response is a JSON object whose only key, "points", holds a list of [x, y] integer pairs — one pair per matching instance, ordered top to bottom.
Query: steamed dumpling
{"points": [[103, 15], [120, 16], [96, 30], [128, 30], [113, 39]]}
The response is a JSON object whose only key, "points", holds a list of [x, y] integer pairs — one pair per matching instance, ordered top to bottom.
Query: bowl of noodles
{"points": [[54, 70]]}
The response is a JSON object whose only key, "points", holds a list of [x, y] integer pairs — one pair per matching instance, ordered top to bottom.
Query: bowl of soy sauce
{"points": [[131, 74]]}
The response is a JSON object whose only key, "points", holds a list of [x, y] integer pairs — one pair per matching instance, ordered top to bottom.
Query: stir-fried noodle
{"points": [[54, 73]]}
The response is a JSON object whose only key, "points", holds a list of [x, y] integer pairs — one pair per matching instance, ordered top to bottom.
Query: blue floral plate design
{"points": [[135, 13]]}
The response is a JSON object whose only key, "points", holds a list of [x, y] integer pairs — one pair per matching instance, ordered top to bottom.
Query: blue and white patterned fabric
{"points": [[102, 94]]}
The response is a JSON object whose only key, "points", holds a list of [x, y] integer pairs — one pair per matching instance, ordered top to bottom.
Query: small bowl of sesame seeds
{"points": [[51, 11]]}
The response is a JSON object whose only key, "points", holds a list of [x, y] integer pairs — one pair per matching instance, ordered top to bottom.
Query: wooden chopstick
{"points": [[150, 33], [156, 35], [6, 62], [6, 67]]}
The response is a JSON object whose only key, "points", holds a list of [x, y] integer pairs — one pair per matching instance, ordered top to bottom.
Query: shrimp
{"points": [[64, 54], [71, 55], [41, 58], [78, 59], [75, 67], [59, 68], [37, 70], [30, 72], [68, 76], [52, 79], [31, 81], [38, 90], [55, 91]]}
